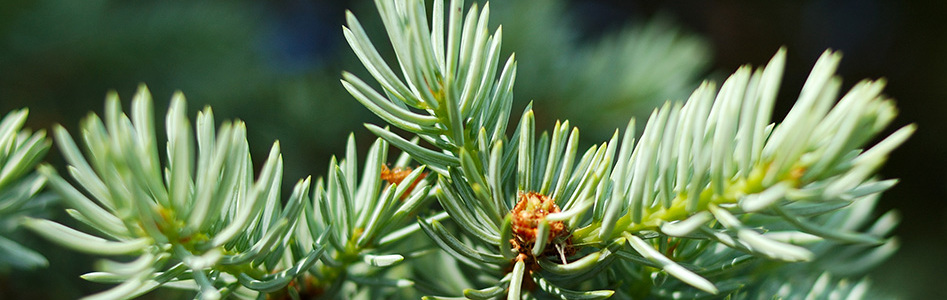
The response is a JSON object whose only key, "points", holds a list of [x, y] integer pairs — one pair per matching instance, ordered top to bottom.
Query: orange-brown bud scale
{"points": [[397, 175], [527, 214]]}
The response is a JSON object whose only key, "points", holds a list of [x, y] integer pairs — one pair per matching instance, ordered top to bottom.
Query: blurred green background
{"points": [[276, 65]]}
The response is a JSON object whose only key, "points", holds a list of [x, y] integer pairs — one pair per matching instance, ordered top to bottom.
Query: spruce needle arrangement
{"points": [[713, 199]]}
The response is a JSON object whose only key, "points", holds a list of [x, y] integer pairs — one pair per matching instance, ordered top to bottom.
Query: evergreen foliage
{"points": [[20, 151], [713, 199]]}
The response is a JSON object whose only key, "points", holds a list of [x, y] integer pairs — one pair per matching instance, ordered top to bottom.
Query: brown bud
{"points": [[399, 174], [527, 214]]}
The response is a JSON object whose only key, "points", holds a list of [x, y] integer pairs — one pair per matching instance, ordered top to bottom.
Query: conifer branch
{"points": [[706, 170], [20, 187], [713, 198], [199, 221], [365, 222]]}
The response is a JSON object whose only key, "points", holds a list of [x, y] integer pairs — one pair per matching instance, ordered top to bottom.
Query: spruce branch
{"points": [[449, 90], [20, 151], [723, 156], [474, 164], [712, 172], [199, 221], [365, 222]]}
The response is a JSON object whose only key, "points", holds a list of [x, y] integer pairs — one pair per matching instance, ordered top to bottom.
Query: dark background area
{"points": [[276, 65]]}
